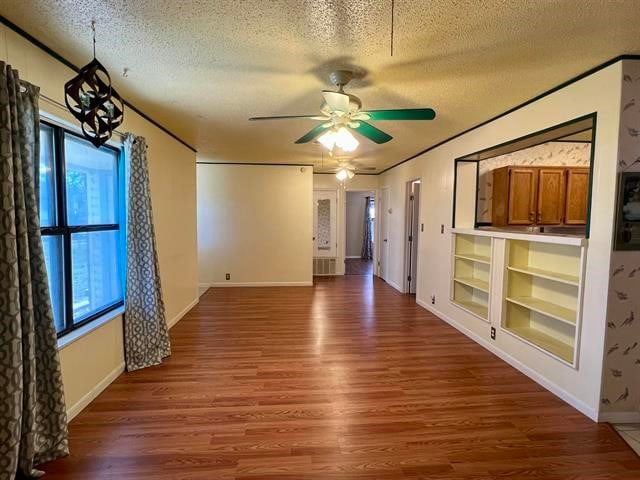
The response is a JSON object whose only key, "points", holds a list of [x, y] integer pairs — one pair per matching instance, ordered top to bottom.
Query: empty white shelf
{"points": [[473, 257], [547, 274], [474, 283], [473, 307], [549, 309], [544, 341]]}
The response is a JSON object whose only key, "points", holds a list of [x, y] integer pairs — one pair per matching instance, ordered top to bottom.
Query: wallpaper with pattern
{"points": [[574, 154], [621, 372]]}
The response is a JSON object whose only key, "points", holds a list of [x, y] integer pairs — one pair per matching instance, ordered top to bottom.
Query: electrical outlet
{"points": [[442, 228], [228, 276], [433, 299], [493, 333]]}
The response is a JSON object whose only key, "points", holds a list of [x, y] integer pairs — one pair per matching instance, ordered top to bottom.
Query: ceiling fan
{"points": [[341, 113], [346, 170]]}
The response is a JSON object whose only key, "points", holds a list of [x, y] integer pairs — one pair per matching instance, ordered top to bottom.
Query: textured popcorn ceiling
{"points": [[201, 68]]}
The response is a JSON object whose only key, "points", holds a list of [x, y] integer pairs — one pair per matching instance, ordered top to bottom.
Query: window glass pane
{"points": [[47, 180], [92, 182], [52, 245], [95, 272]]}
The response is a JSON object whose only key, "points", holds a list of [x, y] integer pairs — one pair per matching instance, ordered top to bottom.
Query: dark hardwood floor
{"points": [[358, 266], [346, 380]]}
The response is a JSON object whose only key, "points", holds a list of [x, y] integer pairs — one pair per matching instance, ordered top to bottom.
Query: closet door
{"points": [[551, 189], [522, 195], [577, 196], [325, 223]]}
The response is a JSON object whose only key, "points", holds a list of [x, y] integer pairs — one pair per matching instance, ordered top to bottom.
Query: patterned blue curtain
{"points": [[367, 240], [145, 328], [33, 419]]}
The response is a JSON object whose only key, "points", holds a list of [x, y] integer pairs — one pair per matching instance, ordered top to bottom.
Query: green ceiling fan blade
{"points": [[402, 114], [312, 117], [313, 133], [372, 133]]}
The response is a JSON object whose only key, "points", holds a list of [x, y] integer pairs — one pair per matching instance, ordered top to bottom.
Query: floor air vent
{"points": [[324, 266]]}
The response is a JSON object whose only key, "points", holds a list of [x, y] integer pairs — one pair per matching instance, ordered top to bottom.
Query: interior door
{"points": [[551, 190], [522, 196], [576, 198], [383, 215], [324, 223]]}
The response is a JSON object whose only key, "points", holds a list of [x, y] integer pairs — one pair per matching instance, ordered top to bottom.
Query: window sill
{"points": [[71, 337]]}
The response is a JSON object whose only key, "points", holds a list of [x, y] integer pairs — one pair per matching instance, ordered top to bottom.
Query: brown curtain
{"points": [[367, 237], [33, 420]]}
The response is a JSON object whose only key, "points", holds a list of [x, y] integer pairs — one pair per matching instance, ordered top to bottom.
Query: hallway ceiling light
{"points": [[344, 174]]}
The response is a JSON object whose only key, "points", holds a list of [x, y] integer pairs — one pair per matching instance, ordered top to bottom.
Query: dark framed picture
{"points": [[628, 223]]}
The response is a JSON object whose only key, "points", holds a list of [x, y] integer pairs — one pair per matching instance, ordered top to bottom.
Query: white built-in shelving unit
{"points": [[472, 274], [528, 285], [542, 295]]}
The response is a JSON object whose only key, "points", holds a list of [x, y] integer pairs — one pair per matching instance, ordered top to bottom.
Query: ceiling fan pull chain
{"points": [[392, 18], [93, 29]]}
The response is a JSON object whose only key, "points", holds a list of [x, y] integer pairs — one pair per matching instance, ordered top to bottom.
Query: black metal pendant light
{"points": [[93, 101]]}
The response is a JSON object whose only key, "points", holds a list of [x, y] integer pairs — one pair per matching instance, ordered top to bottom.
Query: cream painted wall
{"points": [[599, 93], [357, 183], [354, 221], [255, 222], [91, 362]]}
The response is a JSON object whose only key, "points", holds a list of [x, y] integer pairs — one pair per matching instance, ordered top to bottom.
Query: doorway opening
{"points": [[360, 219], [412, 236]]}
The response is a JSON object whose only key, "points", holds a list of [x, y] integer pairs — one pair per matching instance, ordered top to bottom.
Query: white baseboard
{"points": [[352, 256], [258, 284], [394, 285], [202, 289], [182, 313], [532, 374], [86, 399], [619, 417]]}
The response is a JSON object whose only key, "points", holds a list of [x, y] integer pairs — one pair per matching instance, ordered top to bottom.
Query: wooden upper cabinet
{"points": [[551, 192], [522, 195], [539, 196], [577, 196]]}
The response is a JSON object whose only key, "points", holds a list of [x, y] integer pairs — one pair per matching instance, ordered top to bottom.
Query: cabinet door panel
{"points": [[551, 190], [522, 195], [577, 196]]}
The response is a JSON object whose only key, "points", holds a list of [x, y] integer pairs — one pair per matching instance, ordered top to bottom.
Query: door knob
{"points": [[385, 239]]}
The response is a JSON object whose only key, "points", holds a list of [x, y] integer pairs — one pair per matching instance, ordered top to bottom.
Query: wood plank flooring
{"points": [[358, 266], [345, 380]]}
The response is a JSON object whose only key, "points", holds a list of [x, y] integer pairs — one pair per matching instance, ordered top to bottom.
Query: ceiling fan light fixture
{"points": [[328, 140], [345, 140]]}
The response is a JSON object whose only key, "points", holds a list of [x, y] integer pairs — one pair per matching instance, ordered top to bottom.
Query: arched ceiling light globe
{"points": [[328, 140], [345, 140]]}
